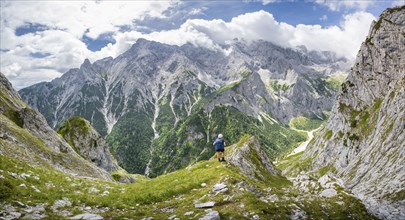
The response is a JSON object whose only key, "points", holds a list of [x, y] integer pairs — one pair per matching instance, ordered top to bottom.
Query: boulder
{"points": [[219, 187], [328, 193], [205, 205], [211, 215], [87, 216]]}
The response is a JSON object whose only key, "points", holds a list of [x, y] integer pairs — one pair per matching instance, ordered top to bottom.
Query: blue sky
{"points": [[40, 40]]}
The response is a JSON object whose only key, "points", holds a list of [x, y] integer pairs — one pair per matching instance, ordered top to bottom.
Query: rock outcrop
{"points": [[364, 139], [88, 143], [252, 161]]}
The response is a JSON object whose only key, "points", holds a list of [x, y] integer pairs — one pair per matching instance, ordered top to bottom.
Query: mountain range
{"points": [[160, 106]]}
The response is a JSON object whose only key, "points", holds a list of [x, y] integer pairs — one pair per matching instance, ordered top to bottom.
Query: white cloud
{"points": [[265, 2], [398, 3], [336, 5], [197, 11], [78, 17], [323, 18], [68, 21], [345, 39], [63, 42]]}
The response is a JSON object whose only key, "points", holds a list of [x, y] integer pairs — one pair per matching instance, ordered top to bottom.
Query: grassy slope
{"points": [[306, 124], [33, 150], [175, 192]]}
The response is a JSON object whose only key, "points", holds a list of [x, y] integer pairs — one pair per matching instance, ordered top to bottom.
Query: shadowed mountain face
{"points": [[160, 106], [364, 138]]}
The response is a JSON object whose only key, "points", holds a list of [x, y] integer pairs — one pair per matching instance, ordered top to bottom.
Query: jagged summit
{"points": [[85, 64], [364, 137]]}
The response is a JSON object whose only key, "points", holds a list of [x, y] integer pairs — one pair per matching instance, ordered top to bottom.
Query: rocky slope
{"points": [[146, 99], [24, 134], [364, 139], [88, 143]]}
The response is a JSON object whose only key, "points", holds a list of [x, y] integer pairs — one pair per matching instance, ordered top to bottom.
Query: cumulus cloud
{"points": [[67, 22], [344, 39], [64, 44]]}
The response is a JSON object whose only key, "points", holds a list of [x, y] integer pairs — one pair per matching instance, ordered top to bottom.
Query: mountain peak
{"points": [[85, 64]]}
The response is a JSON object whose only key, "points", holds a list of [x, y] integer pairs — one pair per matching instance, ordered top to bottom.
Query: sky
{"points": [[41, 40]]}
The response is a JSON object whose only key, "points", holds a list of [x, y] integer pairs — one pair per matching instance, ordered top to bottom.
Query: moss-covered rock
{"points": [[88, 143]]}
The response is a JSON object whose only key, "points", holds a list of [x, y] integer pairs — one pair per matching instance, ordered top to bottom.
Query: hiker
{"points": [[219, 144]]}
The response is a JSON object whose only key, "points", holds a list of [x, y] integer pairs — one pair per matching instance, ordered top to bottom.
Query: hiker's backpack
{"points": [[219, 144]]}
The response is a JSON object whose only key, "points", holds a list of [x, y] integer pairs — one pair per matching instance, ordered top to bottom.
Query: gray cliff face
{"points": [[248, 95], [10, 98], [133, 99], [35, 123], [24, 134], [364, 138], [88, 143]]}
